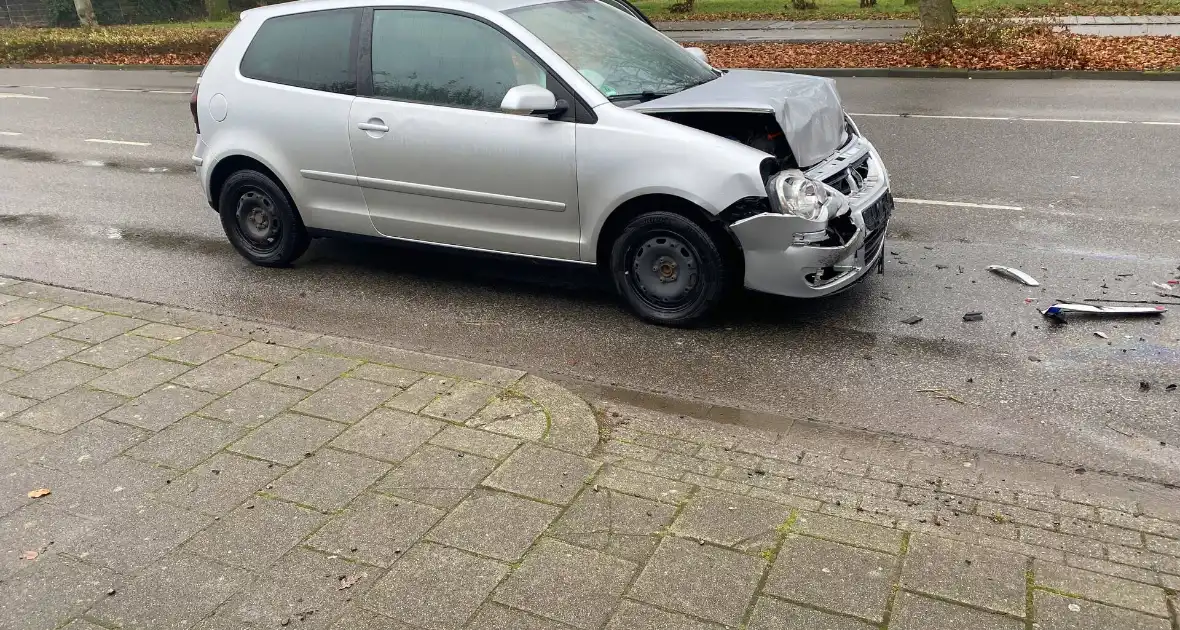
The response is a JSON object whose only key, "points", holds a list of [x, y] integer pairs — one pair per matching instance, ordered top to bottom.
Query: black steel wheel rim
{"points": [[257, 221], [663, 270]]}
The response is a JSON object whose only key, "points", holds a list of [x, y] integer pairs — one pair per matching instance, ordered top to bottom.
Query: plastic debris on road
{"points": [[1013, 273], [1058, 310], [974, 316], [911, 320], [1099, 333]]}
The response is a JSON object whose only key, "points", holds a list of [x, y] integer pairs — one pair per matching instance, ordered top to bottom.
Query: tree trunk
{"points": [[85, 9], [217, 9], [936, 13]]}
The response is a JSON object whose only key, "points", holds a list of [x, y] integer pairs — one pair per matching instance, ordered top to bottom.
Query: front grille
{"points": [[839, 181], [878, 214], [873, 244]]}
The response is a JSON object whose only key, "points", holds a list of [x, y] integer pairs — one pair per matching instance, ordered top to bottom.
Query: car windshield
{"points": [[623, 57]]}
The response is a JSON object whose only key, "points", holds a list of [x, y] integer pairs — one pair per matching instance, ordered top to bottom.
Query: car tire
{"points": [[260, 221], [669, 269]]}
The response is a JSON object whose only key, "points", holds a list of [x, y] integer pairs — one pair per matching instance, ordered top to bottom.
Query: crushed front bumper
{"points": [[789, 256]]}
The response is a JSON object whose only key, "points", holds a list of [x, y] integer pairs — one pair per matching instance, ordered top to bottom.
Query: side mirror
{"points": [[699, 54], [531, 99]]}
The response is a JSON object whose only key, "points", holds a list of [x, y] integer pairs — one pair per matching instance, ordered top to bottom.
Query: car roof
{"points": [[302, 6]]}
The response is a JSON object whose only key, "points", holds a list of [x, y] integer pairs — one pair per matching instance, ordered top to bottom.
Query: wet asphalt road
{"points": [[1086, 205]]}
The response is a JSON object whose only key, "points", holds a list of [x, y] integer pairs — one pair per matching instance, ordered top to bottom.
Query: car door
{"points": [[290, 108], [437, 160]]}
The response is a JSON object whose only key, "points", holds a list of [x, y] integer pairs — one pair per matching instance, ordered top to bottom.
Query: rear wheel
{"points": [[259, 220], [668, 269]]}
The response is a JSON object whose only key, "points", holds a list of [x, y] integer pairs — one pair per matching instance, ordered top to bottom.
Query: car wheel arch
{"points": [[231, 164], [625, 212]]}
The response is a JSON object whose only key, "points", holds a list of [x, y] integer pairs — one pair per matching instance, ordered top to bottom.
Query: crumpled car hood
{"points": [[807, 108]]}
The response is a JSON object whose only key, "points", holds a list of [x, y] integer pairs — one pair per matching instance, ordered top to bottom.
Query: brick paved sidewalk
{"points": [[217, 474]]}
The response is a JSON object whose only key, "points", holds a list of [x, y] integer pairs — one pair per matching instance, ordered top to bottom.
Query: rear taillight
{"points": [[192, 105]]}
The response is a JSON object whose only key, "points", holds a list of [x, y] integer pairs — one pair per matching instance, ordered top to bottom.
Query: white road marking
{"points": [[170, 91], [15, 95], [1020, 119], [9, 133], [126, 142], [957, 204]]}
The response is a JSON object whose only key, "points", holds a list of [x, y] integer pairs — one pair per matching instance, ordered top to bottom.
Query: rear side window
{"points": [[308, 50]]}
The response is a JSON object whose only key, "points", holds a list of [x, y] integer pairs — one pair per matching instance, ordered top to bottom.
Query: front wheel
{"points": [[259, 220], [668, 269]]}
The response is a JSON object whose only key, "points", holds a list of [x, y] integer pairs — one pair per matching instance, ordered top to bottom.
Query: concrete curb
{"points": [[899, 73], [964, 73]]}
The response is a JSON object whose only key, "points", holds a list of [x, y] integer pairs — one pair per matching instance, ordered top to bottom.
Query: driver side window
{"points": [[446, 59]]}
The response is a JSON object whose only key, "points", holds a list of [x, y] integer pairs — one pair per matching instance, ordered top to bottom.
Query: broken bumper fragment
{"points": [[795, 257]]}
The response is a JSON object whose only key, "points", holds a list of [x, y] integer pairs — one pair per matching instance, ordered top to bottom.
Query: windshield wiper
{"points": [[642, 97]]}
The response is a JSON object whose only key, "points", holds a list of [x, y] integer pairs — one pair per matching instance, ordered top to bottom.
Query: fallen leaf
{"points": [[40, 492], [29, 555], [348, 581]]}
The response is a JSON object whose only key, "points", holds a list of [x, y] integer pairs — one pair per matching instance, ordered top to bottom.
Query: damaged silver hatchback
{"points": [[558, 129]]}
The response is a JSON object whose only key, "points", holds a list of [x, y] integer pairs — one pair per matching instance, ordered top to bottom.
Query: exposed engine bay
{"points": [[758, 130]]}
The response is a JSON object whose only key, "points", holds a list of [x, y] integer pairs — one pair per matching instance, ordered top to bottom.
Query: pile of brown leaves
{"points": [[125, 45], [1038, 52]]}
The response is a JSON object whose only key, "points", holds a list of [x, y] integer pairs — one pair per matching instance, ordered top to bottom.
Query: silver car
{"points": [[556, 129]]}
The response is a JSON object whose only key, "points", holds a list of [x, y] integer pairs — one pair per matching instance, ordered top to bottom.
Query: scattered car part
{"points": [[1013, 273], [1162, 287], [1061, 308], [974, 316], [911, 320], [1099, 333]]}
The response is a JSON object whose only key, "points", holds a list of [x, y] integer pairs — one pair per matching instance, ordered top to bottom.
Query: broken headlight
{"points": [[792, 192]]}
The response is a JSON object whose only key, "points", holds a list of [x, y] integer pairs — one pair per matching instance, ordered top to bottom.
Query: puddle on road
{"points": [[153, 167], [147, 237]]}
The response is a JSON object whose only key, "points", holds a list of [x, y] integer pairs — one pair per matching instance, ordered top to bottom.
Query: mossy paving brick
{"points": [[102, 328], [29, 330], [163, 332], [198, 348], [118, 351], [269, 352], [40, 353], [310, 371], [224, 374], [388, 375], [139, 376], [51, 380], [420, 394], [345, 399], [461, 401], [253, 403], [160, 407], [388, 435], [287, 439], [475, 441], [186, 443], [86, 446], [543, 473], [436, 476], [329, 480], [219, 484], [727, 519], [493, 524], [618, 524], [376, 529], [849, 532], [256, 533], [139, 537], [966, 573], [833, 576], [700, 580], [301, 581], [569, 584], [435, 587], [1102, 588], [52, 592], [172, 594], [914, 612], [1056, 612], [773, 614], [635, 616]]}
